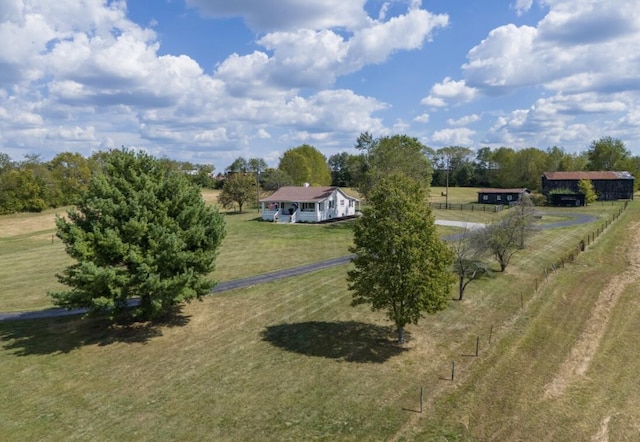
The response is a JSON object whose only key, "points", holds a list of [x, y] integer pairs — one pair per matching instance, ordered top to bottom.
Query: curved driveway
{"points": [[272, 276]]}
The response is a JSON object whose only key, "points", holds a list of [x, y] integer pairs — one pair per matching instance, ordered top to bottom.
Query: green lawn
{"points": [[30, 256], [292, 360]]}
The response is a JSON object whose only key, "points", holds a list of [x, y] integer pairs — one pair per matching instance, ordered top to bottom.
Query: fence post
{"points": [[521, 301], [477, 345], [453, 370], [421, 398]]}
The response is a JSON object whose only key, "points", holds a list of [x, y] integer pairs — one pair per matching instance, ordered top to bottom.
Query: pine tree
{"points": [[139, 231]]}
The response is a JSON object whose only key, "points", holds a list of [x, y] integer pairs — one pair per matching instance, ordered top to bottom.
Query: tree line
{"points": [[453, 166], [503, 167], [33, 185]]}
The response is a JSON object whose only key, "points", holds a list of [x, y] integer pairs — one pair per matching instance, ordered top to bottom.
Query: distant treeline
{"points": [[500, 168], [32, 185]]}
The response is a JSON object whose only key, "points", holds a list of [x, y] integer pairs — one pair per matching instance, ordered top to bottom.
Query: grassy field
{"points": [[30, 255], [292, 360]]}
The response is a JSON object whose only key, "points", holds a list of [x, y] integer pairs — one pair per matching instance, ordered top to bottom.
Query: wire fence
{"points": [[471, 207], [566, 258]]}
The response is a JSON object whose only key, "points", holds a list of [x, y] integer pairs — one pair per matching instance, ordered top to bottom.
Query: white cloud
{"points": [[522, 6], [383, 11], [405, 32], [580, 44], [315, 58], [449, 91], [78, 93], [432, 101], [422, 118], [558, 120], [463, 121], [263, 134], [453, 137]]}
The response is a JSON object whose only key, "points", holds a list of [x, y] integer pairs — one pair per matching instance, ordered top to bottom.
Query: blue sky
{"points": [[207, 81]]}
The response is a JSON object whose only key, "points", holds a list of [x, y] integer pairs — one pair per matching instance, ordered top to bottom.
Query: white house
{"points": [[308, 204]]}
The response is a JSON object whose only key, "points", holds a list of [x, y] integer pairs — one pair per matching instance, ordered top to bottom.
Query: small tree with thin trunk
{"points": [[586, 188], [522, 216], [503, 239], [468, 264], [401, 265]]}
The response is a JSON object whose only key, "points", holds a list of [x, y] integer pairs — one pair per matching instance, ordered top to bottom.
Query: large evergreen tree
{"points": [[140, 231], [401, 265]]}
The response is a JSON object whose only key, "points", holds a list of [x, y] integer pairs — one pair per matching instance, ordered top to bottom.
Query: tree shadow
{"points": [[65, 334], [348, 341]]}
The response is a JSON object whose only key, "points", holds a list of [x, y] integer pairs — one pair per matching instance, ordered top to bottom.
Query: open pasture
{"points": [[30, 255], [292, 360]]}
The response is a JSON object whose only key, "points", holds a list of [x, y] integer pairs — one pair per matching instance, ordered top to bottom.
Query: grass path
{"points": [[584, 350]]}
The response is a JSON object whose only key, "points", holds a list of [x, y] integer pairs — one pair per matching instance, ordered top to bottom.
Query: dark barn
{"points": [[609, 185], [500, 196]]}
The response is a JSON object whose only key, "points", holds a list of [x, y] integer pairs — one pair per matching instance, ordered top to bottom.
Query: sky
{"points": [[208, 81]]}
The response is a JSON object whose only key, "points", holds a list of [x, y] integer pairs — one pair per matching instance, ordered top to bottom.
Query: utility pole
{"points": [[446, 192]]}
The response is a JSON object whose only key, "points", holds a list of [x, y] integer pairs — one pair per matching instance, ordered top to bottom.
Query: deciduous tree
{"points": [[607, 153], [398, 154], [305, 164], [71, 175], [239, 188], [586, 188], [523, 215], [140, 231], [505, 238], [468, 264], [400, 265]]}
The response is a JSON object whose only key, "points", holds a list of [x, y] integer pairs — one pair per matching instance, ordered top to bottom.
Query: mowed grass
{"points": [[31, 255], [288, 360], [292, 360], [503, 397]]}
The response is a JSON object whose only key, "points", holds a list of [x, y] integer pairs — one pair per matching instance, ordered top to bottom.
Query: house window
{"points": [[485, 197], [498, 197], [508, 197], [342, 202], [350, 203], [330, 204], [308, 207], [321, 207]]}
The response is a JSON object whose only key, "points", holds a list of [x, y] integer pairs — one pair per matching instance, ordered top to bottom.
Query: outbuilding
{"points": [[608, 185], [500, 196], [567, 199]]}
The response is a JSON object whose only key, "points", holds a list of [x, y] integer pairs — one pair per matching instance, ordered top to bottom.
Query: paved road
{"points": [[272, 276], [221, 287]]}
